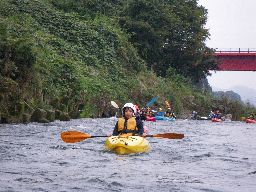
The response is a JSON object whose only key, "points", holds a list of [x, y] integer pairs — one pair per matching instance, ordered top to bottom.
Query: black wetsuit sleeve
{"points": [[115, 131]]}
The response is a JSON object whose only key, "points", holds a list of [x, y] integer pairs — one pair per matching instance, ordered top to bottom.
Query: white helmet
{"points": [[130, 105]]}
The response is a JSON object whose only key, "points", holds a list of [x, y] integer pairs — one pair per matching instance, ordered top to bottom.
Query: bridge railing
{"points": [[235, 50]]}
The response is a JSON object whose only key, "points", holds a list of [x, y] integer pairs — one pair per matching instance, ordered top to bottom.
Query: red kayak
{"points": [[151, 119], [216, 120], [250, 120]]}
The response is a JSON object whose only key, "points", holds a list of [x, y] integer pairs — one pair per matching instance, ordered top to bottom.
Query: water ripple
{"points": [[211, 158]]}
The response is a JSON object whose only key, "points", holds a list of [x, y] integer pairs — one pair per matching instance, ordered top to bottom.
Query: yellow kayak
{"points": [[127, 145]]}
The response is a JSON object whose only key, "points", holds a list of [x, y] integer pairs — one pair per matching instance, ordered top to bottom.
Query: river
{"points": [[213, 157]]}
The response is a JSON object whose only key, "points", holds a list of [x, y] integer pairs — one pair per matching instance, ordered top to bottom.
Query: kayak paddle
{"points": [[151, 102], [113, 103], [167, 104], [118, 114], [168, 135], [76, 136]]}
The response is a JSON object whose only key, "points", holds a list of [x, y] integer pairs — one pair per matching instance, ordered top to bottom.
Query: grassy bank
{"points": [[62, 61]]}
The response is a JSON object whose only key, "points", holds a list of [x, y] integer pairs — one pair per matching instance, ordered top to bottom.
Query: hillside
{"points": [[61, 62], [228, 94], [247, 94]]}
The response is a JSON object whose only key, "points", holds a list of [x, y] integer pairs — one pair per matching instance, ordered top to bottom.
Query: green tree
{"points": [[170, 34]]}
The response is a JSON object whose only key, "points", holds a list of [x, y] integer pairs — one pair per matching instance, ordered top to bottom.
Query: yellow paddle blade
{"points": [[167, 104], [170, 135], [74, 136]]}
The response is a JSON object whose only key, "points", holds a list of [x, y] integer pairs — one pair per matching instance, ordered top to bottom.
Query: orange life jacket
{"points": [[130, 126]]}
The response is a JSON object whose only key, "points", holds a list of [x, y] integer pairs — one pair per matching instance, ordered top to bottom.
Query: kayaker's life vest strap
{"points": [[129, 126]]}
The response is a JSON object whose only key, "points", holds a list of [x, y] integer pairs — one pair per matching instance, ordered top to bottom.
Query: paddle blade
{"points": [[151, 102], [113, 103], [167, 104], [170, 135], [74, 136]]}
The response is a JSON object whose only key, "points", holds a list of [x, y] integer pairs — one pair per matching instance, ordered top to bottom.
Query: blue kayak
{"points": [[163, 118]]}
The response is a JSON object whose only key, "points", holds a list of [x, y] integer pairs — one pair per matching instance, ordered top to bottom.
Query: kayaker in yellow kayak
{"points": [[129, 123]]}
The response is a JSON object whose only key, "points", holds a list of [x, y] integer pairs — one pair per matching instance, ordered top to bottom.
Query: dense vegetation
{"points": [[167, 34], [69, 56]]}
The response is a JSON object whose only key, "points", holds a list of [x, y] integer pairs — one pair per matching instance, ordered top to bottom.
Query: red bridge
{"points": [[239, 60]]}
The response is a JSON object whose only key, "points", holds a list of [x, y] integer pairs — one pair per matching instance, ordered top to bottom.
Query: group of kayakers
{"points": [[148, 112], [215, 114], [132, 116]]}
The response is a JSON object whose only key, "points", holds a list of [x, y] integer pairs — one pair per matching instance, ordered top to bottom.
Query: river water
{"points": [[212, 157]]}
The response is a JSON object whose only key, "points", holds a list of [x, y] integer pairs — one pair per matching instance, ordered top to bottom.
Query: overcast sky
{"points": [[232, 25]]}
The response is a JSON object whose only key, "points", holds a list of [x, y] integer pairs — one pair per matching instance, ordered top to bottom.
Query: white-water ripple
{"points": [[213, 157]]}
